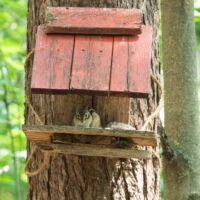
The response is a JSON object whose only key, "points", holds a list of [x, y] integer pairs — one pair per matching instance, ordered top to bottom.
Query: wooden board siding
{"points": [[52, 61], [92, 63], [131, 63], [101, 65]]}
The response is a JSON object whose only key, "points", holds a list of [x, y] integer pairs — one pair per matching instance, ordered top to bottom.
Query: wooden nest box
{"points": [[101, 51]]}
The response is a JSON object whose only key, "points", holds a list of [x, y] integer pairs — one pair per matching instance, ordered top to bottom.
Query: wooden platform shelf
{"points": [[93, 142]]}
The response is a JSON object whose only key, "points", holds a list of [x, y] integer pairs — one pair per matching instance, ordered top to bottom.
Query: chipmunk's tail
{"points": [[119, 125]]}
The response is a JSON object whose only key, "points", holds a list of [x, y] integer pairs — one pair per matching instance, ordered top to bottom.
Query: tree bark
{"points": [[198, 63], [181, 169], [92, 178]]}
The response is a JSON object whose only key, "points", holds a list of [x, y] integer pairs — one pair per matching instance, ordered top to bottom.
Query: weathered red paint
{"points": [[93, 20], [52, 61], [140, 61], [92, 63], [131, 63], [119, 65]]}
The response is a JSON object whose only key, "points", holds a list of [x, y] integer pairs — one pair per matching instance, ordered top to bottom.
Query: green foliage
{"points": [[197, 21], [197, 24], [12, 141]]}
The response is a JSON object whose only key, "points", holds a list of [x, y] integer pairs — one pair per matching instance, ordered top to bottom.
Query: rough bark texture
{"points": [[182, 176], [91, 178]]}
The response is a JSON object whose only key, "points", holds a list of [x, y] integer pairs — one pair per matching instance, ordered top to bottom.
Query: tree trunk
{"points": [[198, 63], [181, 170], [91, 178]]}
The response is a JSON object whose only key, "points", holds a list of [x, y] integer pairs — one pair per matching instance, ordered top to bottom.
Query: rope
{"points": [[28, 56], [33, 110], [156, 112], [152, 116], [35, 148], [157, 156], [41, 167]]}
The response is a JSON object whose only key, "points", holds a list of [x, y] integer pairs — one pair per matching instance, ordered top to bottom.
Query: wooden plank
{"points": [[93, 20], [120, 58], [52, 61], [139, 61], [92, 63], [131, 63], [44, 133], [95, 150]]}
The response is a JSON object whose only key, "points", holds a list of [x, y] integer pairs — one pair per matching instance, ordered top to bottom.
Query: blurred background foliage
{"points": [[197, 22], [13, 182]]}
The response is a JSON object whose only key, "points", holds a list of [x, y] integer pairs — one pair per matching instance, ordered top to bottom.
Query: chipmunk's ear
{"points": [[91, 110]]}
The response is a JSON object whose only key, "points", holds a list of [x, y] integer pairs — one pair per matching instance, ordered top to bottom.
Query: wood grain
{"points": [[93, 20], [139, 61], [52, 62], [92, 63], [131, 63], [103, 65], [120, 65], [45, 133], [95, 150]]}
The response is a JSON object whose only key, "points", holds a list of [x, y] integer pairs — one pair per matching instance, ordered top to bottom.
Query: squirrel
{"points": [[87, 117]]}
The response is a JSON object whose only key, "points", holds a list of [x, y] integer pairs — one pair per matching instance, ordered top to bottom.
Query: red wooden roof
{"points": [[93, 20], [118, 65]]}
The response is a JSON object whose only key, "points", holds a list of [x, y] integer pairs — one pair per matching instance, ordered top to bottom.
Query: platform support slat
{"points": [[95, 150]]}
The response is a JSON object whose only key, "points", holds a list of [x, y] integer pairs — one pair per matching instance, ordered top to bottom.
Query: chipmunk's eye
{"points": [[86, 116]]}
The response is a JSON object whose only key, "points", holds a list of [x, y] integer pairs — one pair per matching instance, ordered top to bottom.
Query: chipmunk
{"points": [[87, 117]]}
